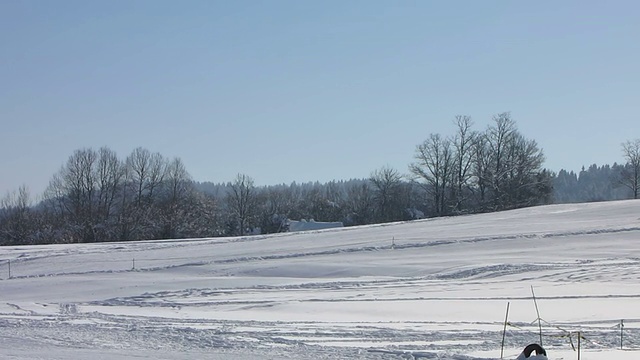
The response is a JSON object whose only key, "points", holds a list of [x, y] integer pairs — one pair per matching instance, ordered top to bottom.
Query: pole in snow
{"points": [[537, 312], [504, 331], [621, 332], [579, 336]]}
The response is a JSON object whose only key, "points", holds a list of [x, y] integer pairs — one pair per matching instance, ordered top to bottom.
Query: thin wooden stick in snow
{"points": [[538, 313], [504, 331]]}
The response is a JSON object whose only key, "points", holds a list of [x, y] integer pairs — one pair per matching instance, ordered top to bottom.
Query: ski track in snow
{"points": [[433, 289]]}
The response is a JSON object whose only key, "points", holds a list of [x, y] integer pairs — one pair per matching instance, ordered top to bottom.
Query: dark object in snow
{"points": [[541, 354]]}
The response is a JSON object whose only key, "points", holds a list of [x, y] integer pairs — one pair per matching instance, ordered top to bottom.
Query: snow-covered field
{"points": [[436, 289]]}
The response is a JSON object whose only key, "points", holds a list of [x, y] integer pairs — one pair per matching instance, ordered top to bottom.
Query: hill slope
{"points": [[436, 287]]}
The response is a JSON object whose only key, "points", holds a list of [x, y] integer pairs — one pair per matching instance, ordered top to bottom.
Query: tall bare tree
{"points": [[499, 137], [463, 158], [434, 162], [480, 168], [109, 173], [145, 173], [515, 174], [630, 176], [526, 177], [386, 183], [73, 191], [178, 191], [83, 195], [241, 201], [359, 204]]}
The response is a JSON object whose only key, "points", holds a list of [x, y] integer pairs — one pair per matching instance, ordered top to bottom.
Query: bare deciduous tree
{"points": [[499, 137], [463, 158], [433, 166], [480, 168], [109, 172], [145, 173], [515, 173], [630, 176], [524, 178], [387, 183], [73, 189], [178, 190], [83, 195], [241, 201], [359, 204], [15, 217]]}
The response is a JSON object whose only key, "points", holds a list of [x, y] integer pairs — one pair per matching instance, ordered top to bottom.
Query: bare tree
{"points": [[499, 137], [463, 158], [433, 166], [480, 168], [109, 173], [145, 173], [514, 175], [630, 176], [525, 177], [178, 181], [81, 183], [387, 187], [178, 188], [73, 189], [83, 195], [96, 197], [20, 199], [241, 201], [359, 204], [274, 209], [16, 223]]}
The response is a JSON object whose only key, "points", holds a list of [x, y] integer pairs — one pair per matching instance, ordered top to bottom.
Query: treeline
{"points": [[595, 183], [602, 183], [97, 196]]}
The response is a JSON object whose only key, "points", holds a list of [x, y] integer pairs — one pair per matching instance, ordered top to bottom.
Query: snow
{"points": [[433, 288]]}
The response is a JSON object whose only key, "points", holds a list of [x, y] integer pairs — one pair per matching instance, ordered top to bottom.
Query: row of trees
{"points": [[475, 171], [96, 196]]}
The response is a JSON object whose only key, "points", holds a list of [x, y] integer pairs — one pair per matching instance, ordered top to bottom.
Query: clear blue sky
{"points": [[309, 90]]}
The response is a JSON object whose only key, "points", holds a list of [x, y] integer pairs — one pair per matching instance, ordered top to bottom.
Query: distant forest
{"points": [[595, 183], [97, 196]]}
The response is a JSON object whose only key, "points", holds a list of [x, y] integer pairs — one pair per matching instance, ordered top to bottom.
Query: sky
{"points": [[302, 91]]}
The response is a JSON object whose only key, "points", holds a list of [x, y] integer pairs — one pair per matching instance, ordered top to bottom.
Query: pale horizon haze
{"points": [[302, 91]]}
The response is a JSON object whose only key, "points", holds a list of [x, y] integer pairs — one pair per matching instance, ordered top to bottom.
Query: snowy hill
{"points": [[436, 288]]}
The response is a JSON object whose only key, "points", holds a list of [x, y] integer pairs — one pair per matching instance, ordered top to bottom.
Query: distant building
{"points": [[304, 225]]}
